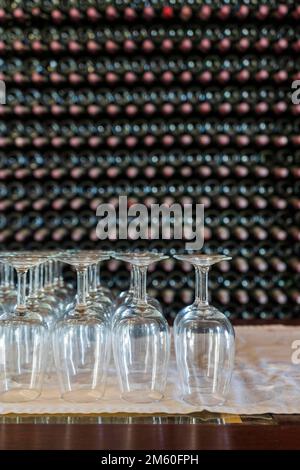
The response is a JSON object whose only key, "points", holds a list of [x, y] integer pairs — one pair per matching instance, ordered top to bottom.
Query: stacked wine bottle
{"points": [[182, 101]]}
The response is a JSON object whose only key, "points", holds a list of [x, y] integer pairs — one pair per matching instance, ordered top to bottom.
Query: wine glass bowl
{"points": [[24, 352], [81, 361]]}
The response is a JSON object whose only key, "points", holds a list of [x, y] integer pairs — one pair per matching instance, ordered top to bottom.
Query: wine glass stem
{"points": [[42, 266], [50, 273], [55, 273], [60, 274], [46, 275], [94, 275], [98, 275], [2, 276], [6, 277], [11, 277], [133, 280], [34, 282], [141, 284], [81, 287], [30, 289], [21, 292], [201, 293]]}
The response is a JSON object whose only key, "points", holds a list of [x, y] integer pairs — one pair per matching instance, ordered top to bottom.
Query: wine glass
{"points": [[46, 310], [141, 339], [81, 340], [23, 341], [204, 341]]}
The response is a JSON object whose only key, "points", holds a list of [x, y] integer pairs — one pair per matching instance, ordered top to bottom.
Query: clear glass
{"points": [[48, 288], [101, 289], [62, 290], [46, 291], [125, 294], [8, 295], [126, 297], [96, 298], [35, 304], [45, 310], [141, 339], [81, 341], [23, 342], [204, 342]]}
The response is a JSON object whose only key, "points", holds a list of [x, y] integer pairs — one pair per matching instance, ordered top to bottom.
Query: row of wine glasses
{"points": [[52, 330]]}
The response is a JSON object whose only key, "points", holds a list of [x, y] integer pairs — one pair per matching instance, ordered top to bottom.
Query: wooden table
{"points": [[202, 431], [276, 432]]}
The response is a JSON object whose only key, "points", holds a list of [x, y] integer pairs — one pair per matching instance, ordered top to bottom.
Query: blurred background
{"points": [[179, 101]]}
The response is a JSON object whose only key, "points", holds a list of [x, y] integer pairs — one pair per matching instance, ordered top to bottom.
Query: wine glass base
{"points": [[18, 395], [83, 396], [142, 396], [203, 399]]}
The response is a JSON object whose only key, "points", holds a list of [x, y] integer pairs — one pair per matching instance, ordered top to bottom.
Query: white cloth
{"points": [[264, 381]]}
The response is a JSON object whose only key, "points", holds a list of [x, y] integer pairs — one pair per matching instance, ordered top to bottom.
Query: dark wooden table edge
{"points": [[149, 436]]}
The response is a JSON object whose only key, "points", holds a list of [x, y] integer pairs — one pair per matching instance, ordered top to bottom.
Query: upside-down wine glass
{"points": [[141, 339], [23, 341], [81, 341], [204, 341]]}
